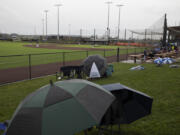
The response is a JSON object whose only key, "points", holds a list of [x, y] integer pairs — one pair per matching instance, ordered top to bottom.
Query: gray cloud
{"points": [[25, 16]]}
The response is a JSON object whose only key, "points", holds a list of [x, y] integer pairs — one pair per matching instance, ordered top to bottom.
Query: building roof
{"points": [[174, 30]]}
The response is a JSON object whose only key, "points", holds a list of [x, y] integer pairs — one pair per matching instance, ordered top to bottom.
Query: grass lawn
{"points": [[17, 48], [161, 83]]}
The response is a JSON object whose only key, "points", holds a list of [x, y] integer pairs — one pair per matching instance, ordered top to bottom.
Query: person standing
{"points": [[145, 54]]}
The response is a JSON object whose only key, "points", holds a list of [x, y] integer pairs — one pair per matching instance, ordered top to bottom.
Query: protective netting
{"points": [[155, 30]]}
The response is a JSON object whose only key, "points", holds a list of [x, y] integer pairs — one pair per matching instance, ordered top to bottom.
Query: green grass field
{"points": [[17, 48], [161, 83]]}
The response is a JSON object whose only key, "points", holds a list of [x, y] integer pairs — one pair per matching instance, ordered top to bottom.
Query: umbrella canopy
{"points": [[98, 60], [167, 60], [158, 61], [137, 68], [129, 105], [62, 108]]}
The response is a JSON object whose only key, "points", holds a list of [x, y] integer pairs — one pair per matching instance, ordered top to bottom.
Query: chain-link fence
{"points": [[22, 67]]}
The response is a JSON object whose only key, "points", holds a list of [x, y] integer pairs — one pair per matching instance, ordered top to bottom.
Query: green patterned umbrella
{"points": [[62, 108]]}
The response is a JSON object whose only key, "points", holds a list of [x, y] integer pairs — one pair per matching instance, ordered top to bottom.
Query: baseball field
{"points": [[16, 54], [23, 60]]}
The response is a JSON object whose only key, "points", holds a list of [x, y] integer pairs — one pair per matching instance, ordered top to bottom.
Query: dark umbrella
{"points": [[100, 62], [129, 105], [62, 108]]}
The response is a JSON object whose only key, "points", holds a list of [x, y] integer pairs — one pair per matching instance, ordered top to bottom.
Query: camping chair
{"points": [[67, 71], [72, 71], [79, 71]]}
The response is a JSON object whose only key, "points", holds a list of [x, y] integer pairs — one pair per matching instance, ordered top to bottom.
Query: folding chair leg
{"points": [[119, 129]]}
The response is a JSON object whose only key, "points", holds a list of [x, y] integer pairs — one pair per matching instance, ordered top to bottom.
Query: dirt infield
{"points": [[54, 46], [24, 73]]}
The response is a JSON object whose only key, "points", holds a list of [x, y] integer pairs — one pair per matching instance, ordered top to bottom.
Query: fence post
{"points": [[104, 53], [118, 54], [127, 54], [63, 58], [30, 77]]}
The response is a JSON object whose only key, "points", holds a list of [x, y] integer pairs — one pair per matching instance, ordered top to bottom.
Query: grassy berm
{"points": [[161, 83]]}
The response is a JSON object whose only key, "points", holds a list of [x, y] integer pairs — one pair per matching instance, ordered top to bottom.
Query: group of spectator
{"points": [[170, 48], [151, 53]]}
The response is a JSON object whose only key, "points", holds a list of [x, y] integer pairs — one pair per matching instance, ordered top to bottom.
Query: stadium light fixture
{"points": [[58, 5], [119, 6], [46, 11], [43, 26], [108, 30]]}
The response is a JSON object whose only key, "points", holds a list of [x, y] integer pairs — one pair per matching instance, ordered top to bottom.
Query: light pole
{"points": [[58, 5], [119, 6], [46, 11], [43, 27], [108, 30]]}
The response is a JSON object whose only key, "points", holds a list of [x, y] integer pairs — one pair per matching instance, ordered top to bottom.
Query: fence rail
{"points": [[22, 67]]}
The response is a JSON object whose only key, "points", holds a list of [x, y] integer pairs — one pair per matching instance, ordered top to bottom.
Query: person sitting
{"points": [[145, 54], [151, 54]]}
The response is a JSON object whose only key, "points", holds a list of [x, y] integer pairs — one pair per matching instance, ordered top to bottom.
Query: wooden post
{"points": [[118, 55], [30, 77]]}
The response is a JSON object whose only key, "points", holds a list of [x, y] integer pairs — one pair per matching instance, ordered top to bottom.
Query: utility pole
{"points": [[58, 5], [119, 6], [46, 11], [43, 27], [81, 33], [125, 34], [145, 34], [94, 36]]}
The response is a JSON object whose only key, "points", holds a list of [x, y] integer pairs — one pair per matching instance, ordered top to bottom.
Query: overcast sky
{"points": [[25, 16]]}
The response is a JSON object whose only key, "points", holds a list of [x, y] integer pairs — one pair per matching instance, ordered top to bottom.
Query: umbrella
{"points": [[167, 60], [99, 61], [158, 61], [174, 66], [137, 68], [130, 105], [62, 108], [2, 126]]}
